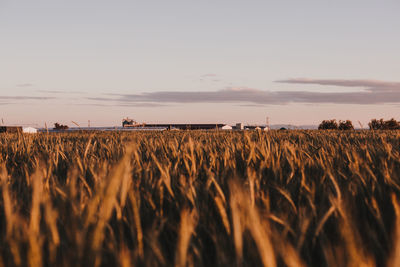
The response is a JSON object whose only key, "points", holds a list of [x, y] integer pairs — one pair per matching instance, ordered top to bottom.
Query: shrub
{"points": [[375, 124], [391, 124], [328, 125], [346, 125], [58, 126]]}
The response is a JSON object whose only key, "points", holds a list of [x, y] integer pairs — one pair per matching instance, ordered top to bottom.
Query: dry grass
{"points": [[291, 198]]}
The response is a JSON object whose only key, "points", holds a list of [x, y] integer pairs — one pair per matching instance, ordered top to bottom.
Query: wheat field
{"points": [[194, 198]]}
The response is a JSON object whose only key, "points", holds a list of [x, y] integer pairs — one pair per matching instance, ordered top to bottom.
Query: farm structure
{"points": [[129, 123], [132, 124], [181, 126], [256, 127], [10, 129], [29, 130]]}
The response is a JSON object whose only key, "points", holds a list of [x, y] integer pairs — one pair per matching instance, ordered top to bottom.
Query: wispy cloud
{"points": [[207, 75], [210, 77], [25, 85], [369, 85], [60, 92], [372, 92], [25, 98], [119, 104], [143, 105]]}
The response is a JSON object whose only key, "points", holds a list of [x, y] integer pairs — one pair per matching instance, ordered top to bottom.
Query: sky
{"points": [[296, 62]]}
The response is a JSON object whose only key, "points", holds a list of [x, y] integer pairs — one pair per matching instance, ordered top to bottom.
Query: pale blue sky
{"points": [[198, 61]]}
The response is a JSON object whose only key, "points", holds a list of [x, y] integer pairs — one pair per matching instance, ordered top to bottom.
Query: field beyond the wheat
{"points": [[193, 198]]}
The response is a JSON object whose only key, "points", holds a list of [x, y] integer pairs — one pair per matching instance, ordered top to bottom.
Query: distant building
{"points": [[128, 122], [132, 124], [183, 126], [239, 126], [226, 127], [255, 127], [10, 129], [29, 130]]}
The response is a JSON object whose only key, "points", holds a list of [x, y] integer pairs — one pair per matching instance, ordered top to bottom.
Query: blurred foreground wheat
{"points": [[297, 198]]}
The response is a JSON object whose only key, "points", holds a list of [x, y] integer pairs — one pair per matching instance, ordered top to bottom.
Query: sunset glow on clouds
{"points": [[101, 61], [375, 92]]}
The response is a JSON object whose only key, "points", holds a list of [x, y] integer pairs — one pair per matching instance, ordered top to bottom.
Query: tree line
{"points": [[374, 124], [58, 126]]}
